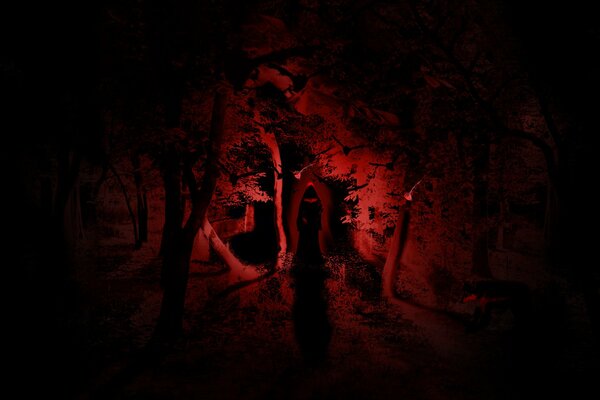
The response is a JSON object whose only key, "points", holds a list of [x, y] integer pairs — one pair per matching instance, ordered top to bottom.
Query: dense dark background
{"points": [[50, 57]]}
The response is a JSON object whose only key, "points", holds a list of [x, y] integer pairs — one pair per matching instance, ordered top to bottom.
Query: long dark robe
{"points": [[309, 225], [311, 322]]}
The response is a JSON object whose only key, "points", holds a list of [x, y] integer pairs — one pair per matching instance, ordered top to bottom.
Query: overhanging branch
{"points": [[466, 72]]}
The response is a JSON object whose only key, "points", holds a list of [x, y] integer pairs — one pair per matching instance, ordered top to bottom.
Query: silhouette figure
{"points": [[309, 225], [311, 322]]}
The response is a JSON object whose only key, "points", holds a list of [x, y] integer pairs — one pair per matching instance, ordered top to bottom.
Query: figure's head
{"points": [[310, 194]]}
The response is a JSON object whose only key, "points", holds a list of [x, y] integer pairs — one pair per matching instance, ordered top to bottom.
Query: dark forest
{"points": [[300, 199]]}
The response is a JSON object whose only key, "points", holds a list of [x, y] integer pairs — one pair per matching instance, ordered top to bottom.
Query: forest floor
{"points": [[243, 345]]}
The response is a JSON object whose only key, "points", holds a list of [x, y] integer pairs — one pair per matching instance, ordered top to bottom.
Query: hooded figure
{"points": [[309, 225], [311, 321]]}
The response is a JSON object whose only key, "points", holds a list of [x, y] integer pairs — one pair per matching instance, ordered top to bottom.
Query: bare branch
{"points": [[337, 140], [347, 149], [322, 152], [389, 165], [358, 187]]}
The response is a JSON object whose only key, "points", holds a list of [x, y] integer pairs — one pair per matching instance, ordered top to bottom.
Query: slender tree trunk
{"points": [[271, 142], [555, 155], [68, 173], [100, 181], [141, 198], [278, 200], [173, 210], [503, 211], [144, 218], [502, 218], [551, 218], [73, 221], [556, 221], [136, 239], [397, 245], [178, 253], [480, 257]]}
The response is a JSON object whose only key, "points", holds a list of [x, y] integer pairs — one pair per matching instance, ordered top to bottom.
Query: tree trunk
{"points": [[271, 142], [68, 172], [142, 200], [201, 200], [278, 201], [173, 212], [502, 217], [143, 218], [551, 219], [556, 220], [73, 221], [136, 238], [56, 244], [397, 245], [178, 252], [480, 257], [176, 265], [238, 271]]}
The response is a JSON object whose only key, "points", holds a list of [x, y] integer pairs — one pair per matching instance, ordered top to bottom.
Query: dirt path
{"points": [[245, 346]]}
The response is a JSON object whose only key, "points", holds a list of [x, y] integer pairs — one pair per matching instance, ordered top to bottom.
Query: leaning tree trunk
{"points": [[271, 142], [397, 245], [178, 253], [480, 257], [237, 270]]}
